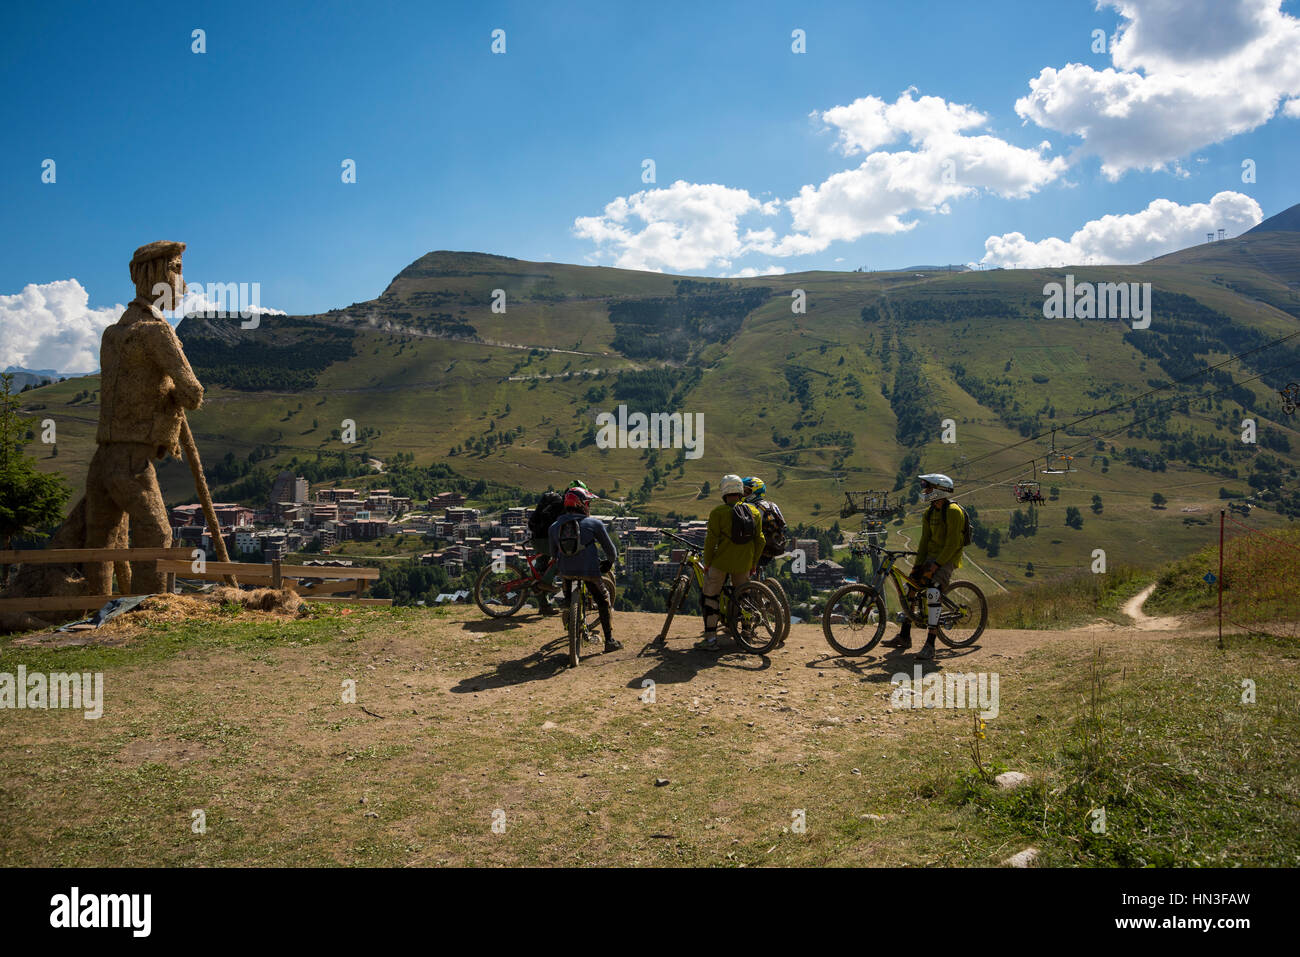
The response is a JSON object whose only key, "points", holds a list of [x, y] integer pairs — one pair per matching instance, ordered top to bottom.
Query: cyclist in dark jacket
{"points": [[584, 563]]}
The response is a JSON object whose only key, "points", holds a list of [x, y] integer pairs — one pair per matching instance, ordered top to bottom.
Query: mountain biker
{"points": [[549, 507], [773, 522], [573, 540], [732, 547], [938, 555]]}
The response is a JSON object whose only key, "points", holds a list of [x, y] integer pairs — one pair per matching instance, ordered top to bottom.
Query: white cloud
{"points": [[1184, 74], [1292, 108], [944, 164], [683, 226], [697, 226], [1162, 227], [749, 272], [228, 301], [51, 326]]}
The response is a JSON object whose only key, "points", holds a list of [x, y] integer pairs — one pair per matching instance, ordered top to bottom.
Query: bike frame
{"points": [[696, 564], [887, 567], [534, 576], [586, 599]]}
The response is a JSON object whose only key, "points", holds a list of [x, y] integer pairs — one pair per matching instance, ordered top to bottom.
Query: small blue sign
{"points": [[1209, 577]]}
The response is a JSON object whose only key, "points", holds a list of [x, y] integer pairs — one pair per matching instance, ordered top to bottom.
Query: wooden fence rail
{"points": [[311, 582]]}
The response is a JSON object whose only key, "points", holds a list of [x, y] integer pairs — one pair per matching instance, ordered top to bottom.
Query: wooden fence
{"points": [[311, 582]]}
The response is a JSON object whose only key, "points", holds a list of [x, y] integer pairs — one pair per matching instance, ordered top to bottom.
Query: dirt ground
{"points": [[458, 717]]}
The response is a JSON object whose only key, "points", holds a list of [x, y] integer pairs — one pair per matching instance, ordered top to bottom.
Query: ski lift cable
{"points": [[1138, 398], [1111, 432], [1106, 433], [992, 477], [992, 481]]}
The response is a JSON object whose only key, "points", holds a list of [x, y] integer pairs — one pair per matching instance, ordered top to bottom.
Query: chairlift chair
{"points": [[1058, 461], [1028, 490]]}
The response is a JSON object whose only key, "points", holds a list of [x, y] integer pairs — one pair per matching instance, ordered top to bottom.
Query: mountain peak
{"points": [[1287, 221]]}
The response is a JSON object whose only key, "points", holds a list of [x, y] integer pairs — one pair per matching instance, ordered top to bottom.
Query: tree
{"points": [[29, 499], [1158, 500], [1096, 505], [1073, 517]]}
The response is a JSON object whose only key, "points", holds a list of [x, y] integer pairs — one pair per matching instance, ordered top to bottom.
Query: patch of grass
{"points": [[1260, 574], [1074, 600], [1159, 763]]}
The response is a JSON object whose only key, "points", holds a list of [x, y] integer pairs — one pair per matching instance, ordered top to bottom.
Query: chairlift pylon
{"points": [[869, 504]]}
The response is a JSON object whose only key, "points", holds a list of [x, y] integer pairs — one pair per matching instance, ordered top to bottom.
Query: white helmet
{"points": [[731, 484], [935, 486]]}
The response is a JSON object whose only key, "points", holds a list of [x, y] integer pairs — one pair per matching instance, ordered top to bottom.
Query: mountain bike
{"points": [[501, 593], [752, 613], [582, 617], [854, 618]]}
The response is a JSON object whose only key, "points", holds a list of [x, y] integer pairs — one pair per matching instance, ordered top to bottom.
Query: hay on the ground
{"points": [[283, 600]]}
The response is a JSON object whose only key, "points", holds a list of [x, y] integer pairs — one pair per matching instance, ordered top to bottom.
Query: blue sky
{"points": [[237, 151]]}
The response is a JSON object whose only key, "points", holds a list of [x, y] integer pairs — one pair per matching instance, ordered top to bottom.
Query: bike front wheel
{"points": [[499, 594], [675, 599], [963, 614], [754, 617], [854, 619]]}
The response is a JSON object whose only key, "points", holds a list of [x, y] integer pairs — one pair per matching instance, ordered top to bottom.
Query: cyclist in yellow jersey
{"points": [[732, 547], [938, 555]]}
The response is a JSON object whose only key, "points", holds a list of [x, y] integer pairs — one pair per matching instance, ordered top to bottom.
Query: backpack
{"points": [[549, 508], [742, 524], [773, 527], [966, 533], [570, 538]]}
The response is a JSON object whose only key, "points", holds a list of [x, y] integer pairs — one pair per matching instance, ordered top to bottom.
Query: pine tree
{"points": [[29, 499]]}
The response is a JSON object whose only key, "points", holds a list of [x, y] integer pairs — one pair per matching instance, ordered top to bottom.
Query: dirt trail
{"points": [[1141, 620], [798, 683]]}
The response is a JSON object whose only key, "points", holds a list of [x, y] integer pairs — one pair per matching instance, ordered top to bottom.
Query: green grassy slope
{"points": [[806, 401]]}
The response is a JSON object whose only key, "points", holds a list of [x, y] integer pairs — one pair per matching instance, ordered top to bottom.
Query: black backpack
{"points": [[549, 507], [742, 524], [773, 527], [966, 533], [570, 538]]}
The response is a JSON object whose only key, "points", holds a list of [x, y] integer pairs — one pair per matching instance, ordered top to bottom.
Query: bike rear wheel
{"points": [[779, 591], [493, 592], [963, 615], [754, 617], [574, 619], [854, 619]]}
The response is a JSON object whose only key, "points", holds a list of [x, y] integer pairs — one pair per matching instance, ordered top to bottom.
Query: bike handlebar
{"points": [[677, 538], [872, 546]]}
